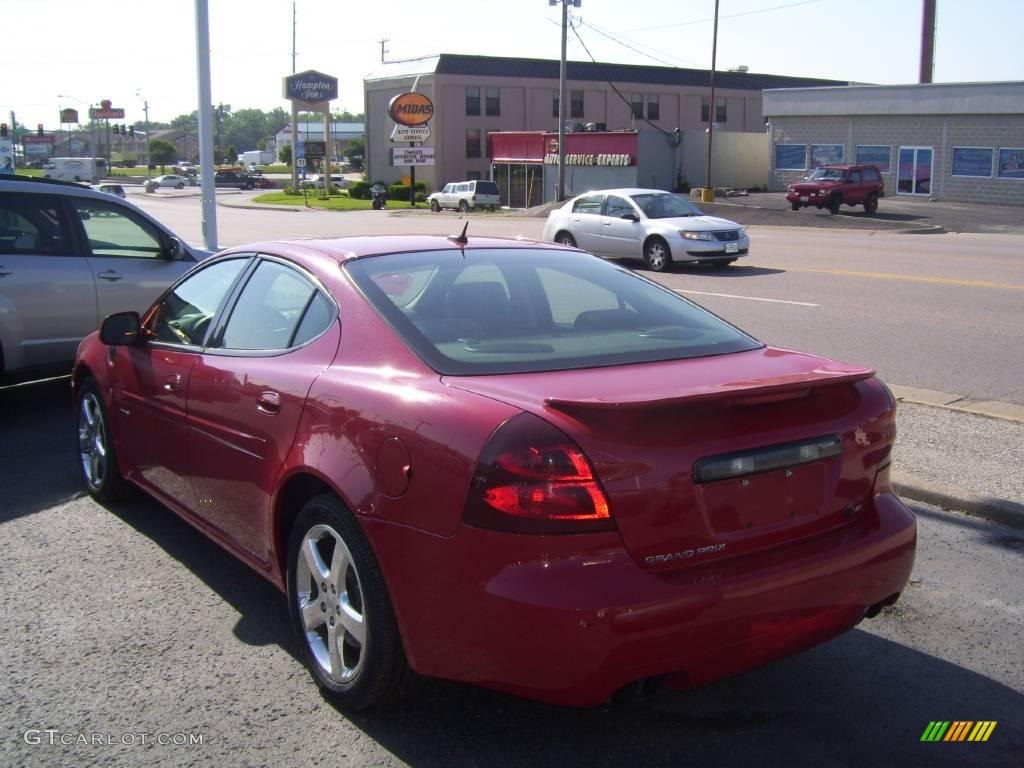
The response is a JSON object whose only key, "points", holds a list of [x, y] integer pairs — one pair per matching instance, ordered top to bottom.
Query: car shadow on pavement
{"points": [[730, 270], [37, 420], [262, 610], [859, 700]]}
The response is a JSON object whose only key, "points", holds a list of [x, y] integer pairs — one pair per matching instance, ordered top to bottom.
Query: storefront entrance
{"points": [[915, 171], [521, 184]]}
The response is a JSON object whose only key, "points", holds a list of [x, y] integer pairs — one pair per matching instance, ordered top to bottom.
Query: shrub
{"points": [[360, 190], [401, 192]]}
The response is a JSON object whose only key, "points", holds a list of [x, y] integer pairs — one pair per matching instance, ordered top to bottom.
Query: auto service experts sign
{"points": [[311, 88], [411, 109]]}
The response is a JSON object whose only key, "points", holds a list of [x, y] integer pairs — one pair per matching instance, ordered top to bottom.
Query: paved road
{"points": [[942, 312], [126, 621]]}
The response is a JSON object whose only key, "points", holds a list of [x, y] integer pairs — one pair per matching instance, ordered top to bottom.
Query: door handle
{"points": [[110, 275], [172, 383], [268, 402]]}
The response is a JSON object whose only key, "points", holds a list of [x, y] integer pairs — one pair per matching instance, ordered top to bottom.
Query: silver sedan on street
{"points": [[650, 224]]}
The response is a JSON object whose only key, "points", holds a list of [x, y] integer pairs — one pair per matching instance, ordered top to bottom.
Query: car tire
{"points": [[77, 178], [179, 185], [834, 203], [871, 203], [434, 206], [463, 206], [795, 206], [565, 238], [657, 255], [97, 456], [335, 583]]}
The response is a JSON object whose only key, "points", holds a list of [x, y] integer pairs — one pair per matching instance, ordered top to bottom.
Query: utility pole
{"points": [[293, 47], [383, 50], [145, 111], [560, 186], [709, 190]]}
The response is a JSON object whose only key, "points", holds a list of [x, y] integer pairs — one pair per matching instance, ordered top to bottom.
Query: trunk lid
{"points": [[649, 428]]}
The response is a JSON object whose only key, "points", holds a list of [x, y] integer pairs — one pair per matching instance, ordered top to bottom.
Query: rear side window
{"points": [[870, 174], [486, 188], [588, 204], [32, 224], [271, 308], [517, 310]]}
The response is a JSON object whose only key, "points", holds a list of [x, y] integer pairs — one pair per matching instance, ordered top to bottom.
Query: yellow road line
{"points": [[908, 278]]}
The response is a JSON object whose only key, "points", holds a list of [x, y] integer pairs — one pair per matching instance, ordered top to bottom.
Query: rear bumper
{"points": [[542, 618]]}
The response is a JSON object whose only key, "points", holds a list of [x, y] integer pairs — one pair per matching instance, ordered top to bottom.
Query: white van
{"points": [[87, 169]]}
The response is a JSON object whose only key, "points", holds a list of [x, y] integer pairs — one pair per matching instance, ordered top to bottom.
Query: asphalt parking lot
{"points": [[895, 213]]}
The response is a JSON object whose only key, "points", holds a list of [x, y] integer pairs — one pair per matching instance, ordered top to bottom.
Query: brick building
{"points": [[477, 96], [949, 141]]}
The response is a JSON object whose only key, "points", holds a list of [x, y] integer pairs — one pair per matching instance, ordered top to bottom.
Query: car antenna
{"points": [[460, 239]]}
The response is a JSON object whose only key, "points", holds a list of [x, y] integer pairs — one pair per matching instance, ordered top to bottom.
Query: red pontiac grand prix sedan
{"points": [[502, 462]]}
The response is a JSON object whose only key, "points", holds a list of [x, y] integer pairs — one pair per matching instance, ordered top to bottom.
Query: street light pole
{"points": [[560, 186], [709, 190]]}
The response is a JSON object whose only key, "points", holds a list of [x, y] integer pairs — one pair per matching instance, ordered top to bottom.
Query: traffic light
{"points": [[115, 128], [39, 129], [3, 130]]}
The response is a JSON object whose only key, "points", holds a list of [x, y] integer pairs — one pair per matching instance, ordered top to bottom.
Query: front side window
{"points": [[472, 100], [493, 104], [576, 104], [472, 142], [617, 207], [32, 224], [115, 231], [271, 308], [521, 310], [185, 314]]}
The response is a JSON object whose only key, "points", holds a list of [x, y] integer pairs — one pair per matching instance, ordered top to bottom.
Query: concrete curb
{"points": [[993, 409], [990, 508]]}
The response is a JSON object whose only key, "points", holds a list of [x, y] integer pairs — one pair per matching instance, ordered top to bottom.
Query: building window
{"points": [[472, 100], [636, 101], [576, 104], [493, 105], [653, 107], [721, 114], [472, 142], [826, 154], [879, 155], [790, 157], [972, 161], [1011, 163], [473, 176]]}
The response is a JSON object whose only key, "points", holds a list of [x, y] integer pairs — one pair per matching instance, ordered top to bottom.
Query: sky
{"points": [[69, 53]]}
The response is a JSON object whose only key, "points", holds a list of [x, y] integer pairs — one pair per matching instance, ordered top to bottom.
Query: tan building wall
{"points": [[738, 160]]}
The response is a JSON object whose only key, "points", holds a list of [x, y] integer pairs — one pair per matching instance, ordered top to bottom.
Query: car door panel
{"points": [[619, 236], [47, 292]]}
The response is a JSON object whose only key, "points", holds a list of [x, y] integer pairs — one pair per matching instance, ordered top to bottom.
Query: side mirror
{"points": [[630, 217], [173, 249], [121, 329]]}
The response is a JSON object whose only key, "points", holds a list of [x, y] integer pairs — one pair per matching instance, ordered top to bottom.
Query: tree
{"points": [[356, 148], [161, 153], [285, 155]]}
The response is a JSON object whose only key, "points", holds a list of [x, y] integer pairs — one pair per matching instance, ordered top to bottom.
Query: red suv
{"points": [[830, 186]]}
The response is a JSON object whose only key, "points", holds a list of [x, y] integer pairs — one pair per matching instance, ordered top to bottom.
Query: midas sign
{"points": [[411, 109]]}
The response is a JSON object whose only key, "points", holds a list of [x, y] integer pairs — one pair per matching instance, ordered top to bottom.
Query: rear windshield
{"points": [[486, 188], [515, 310]]}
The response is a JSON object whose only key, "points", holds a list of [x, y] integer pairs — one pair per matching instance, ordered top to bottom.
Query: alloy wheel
{"points": [[92, 441], [331, 604]]}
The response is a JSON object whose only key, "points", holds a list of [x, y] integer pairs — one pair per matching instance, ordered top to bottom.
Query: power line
{"points": [[730, 16], [624, 44], [625, 101]]}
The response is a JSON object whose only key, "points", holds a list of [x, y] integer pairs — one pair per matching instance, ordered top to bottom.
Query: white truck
{"points": [[256, 157], [86, 169]]}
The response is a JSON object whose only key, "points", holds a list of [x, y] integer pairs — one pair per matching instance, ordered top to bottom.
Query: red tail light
{"points": [[531, 478]]}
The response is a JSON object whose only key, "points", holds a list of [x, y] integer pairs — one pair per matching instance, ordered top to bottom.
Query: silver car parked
{"points": [[70, 256]]}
